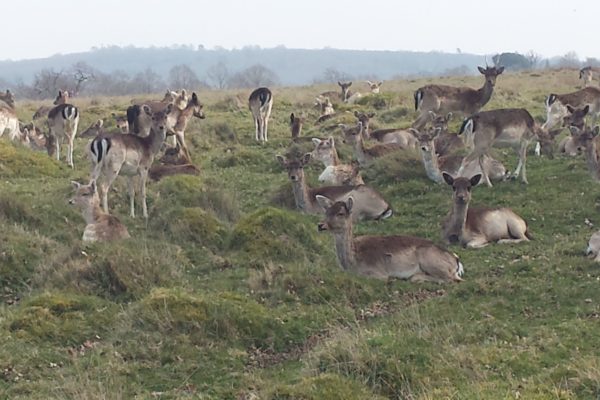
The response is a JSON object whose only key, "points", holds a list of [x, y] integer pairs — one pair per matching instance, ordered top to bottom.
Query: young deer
{"points": [[586, 76], [374, 86], [343, 96], [443, 98], [260, 103], [556, 105], [178, 119], [62, 121], [139, 122], [512, 127], [95, 129], [588, 139], [445, 142], [129, 155], [366, 155], [175, 161], [435, 164], [335, 172], [369, 203], [101, 226], [477, 227], [383, 257]]}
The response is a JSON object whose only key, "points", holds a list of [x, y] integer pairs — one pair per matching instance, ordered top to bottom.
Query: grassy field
{"points": [[227, 292]]}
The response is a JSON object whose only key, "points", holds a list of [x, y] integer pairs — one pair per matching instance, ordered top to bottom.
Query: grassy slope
{"points": [[228, 293]]}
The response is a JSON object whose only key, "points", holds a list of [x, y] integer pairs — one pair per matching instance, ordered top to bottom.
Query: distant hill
{"points": [[292, 66]]}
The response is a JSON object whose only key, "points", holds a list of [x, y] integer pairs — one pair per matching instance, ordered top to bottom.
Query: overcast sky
{"points": [[41, 28]]}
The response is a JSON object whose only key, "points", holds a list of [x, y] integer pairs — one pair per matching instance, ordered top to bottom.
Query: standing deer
{"points": [[586, 76], [374, 86], [443, 99], [261, 102], [556, 105], [177, 121], [62, 122], [139, 122], [509, 127], [588, 139], [37, 140], [129, 155], [366, 155], [435, 164], [335, 172], [369, 203], [101, 226], [477, 227], [383, 257]]}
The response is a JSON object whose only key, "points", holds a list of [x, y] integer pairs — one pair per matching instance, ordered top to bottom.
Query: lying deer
{"points": [[374, 86], [343, 96], [443, 99], [261, 103], [556, 105], [326, 108], [576, 118], [62, 121], [9, 122], [139, 122], [512, 127], [37, 140], [445, 142], [129, 155], [366, 155], [175, 161], [435, 164], [335, 172], [369, 203], [101, 227], [477, 227], [383, 257]]}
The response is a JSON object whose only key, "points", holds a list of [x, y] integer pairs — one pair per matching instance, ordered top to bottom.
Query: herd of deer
{"points": [[140, 135]]}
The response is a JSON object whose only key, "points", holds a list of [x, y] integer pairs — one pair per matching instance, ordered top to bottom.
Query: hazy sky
{"points": [[40, 28]]}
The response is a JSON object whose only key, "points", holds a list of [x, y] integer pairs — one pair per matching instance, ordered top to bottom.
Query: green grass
{"points": [[227, 292]]}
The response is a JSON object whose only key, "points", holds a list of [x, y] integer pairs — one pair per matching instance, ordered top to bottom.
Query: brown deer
{"points": [[586, 76], [374, 86], [343, 96], [8, 98], [442, 98], [261, 103], [556, 105], [326, 108], [576, 117], [178, 119], [9, 122], [62, 122], [121, 122], [139, 122], [296, 126], [508, 127], [587, 139], [37, 140], [445, 142], [128, 155], [366, 155], [174, 162], [435, 164], [335, 172], [369, 203], [101, 226], [477, 227], [384, 257]]}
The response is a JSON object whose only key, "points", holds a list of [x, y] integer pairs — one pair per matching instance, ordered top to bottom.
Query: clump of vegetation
{"points": [[379, 101], [394, 114], [19, 162], [399, 166], [324, 386]]}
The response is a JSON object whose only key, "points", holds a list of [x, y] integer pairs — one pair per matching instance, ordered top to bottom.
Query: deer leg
{"points": [[421, 121], [256, 128], [71, 138], [180, 139], [57, 140], [523, 160], [484, 172], [110, 175], [143, 179], [131, 190], [505, 241], [477, 243], [423, 277]]}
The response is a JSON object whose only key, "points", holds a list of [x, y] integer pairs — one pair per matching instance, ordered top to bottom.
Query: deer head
{"points": [[461, 187], [337, 215]]}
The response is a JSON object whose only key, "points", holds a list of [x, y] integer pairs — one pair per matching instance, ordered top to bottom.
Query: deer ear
{"points": [[481, 70], [499, 70], [340, 83], [380, 83], [570, 108], [147, 109], [169, 109], [586, 109], [356, 114], [371, 115], [448, 116], [292, 118], [99, 123], [574, 130], [596, 130], [414, 132], [436, 132], [316, 141], [331, 141], [306, 158], [281, 160], [448, 178], [475, 179], [76, 185], [93, 186], [324, 202], [349, 203]]}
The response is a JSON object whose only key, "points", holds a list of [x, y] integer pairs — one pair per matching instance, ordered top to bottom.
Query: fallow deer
{"points": [[586, 76], [374, 86], [343, 96], [8, 98], [443, 99], [260, 103], [556, 105], [326, 108], [42, 112], [576, 118], [178, 120], [365, 120], [9, 122], [62, 122], [121, 122], [139, 122], [296, 126], [509, 127], [95, 129], [587, 139], [38, 140], [445, 142], [129, 155], [365, 155], [175, 161], [435, 164], [335, 172], [369, 203], [101, 226], [477, 227], [593, 249], [383, 257]]}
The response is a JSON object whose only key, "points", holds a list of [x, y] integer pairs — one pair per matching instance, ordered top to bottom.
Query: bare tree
{"points": [[533, 58], [569, 60], [82, 73], [218, 74], [332, 75], [254, 76], [182, 77], [48, 82], [147, 82]]}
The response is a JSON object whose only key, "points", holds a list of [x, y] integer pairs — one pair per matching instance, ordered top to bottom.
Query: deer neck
{"points": [[485, 93], [184, 117], [156, 140], [359, 149], [591, 157], [432, 167], [302, 194], [92, 212], [457, 219], [344, 248]]}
